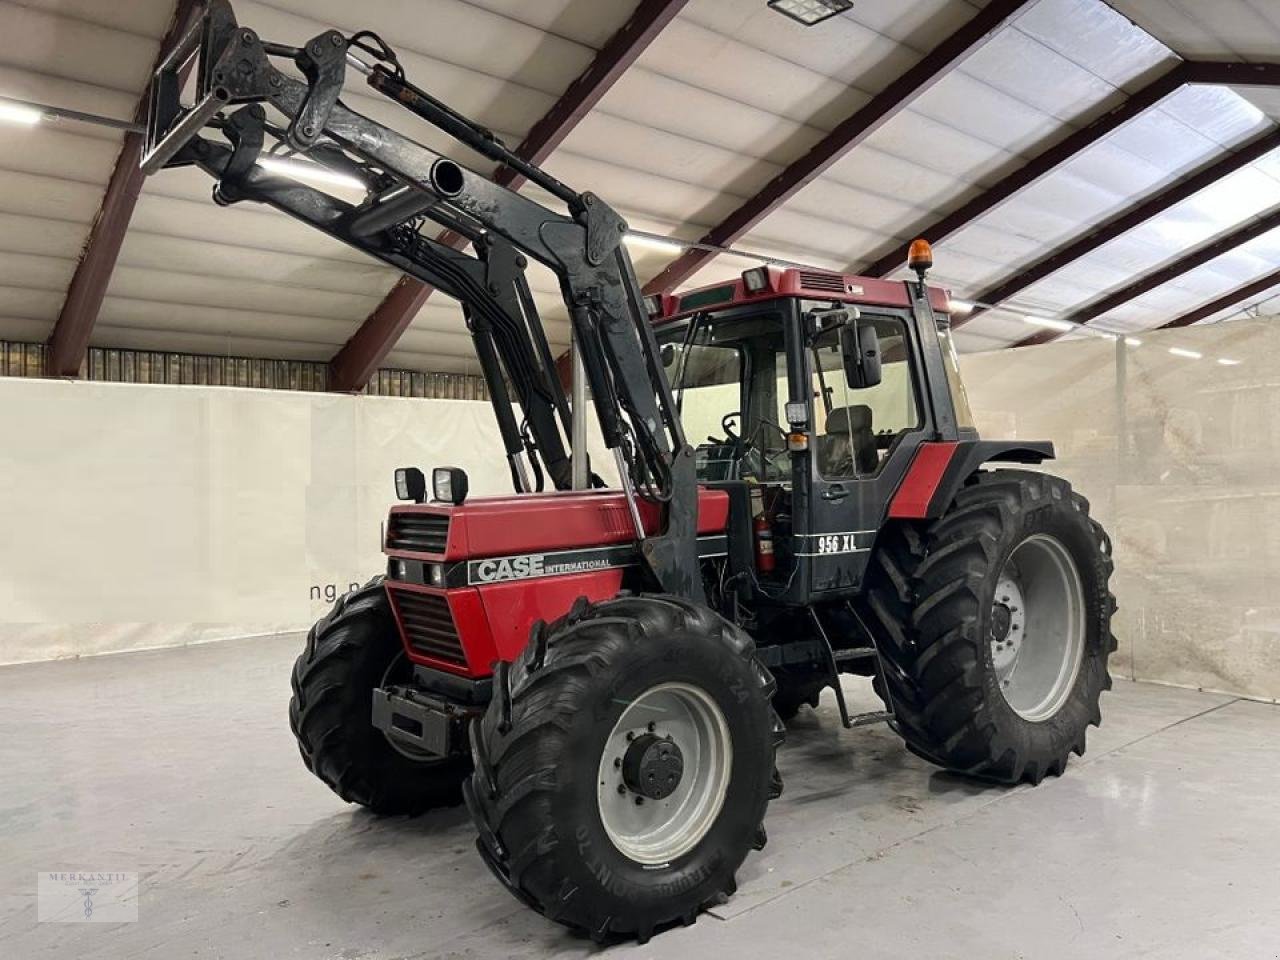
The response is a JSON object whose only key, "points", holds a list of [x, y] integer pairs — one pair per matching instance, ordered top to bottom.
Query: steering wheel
{"points": [[765, 422], [728, 430]]}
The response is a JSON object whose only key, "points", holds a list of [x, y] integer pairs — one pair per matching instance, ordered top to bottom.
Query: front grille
{"points": [[831, 282], [418, 532], [428, 625]]}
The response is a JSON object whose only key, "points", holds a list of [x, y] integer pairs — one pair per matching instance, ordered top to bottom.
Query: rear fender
{"points": [[939, 470]]}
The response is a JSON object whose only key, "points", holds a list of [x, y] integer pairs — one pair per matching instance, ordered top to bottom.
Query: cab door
{"points": [[862, 441]]}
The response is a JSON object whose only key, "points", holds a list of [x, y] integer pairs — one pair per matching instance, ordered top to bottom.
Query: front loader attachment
{"points": [[408, 187]]}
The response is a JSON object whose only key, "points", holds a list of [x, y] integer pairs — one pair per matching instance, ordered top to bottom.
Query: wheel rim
{"points": [[1037, 627], [654, 831]]}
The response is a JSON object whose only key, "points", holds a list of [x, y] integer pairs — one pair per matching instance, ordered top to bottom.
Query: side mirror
{"points": [[860, 346]]}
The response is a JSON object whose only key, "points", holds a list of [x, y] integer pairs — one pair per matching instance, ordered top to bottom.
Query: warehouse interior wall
{"points": [[1177, 454], [137, 516]]}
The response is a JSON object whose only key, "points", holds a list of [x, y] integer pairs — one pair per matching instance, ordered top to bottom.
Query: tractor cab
{"points": [[811, 393]]}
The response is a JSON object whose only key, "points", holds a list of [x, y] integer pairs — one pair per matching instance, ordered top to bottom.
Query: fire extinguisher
{"points": [[765, 560]]}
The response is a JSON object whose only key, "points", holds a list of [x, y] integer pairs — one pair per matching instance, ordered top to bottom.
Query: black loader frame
{"points": [[409, 184]]}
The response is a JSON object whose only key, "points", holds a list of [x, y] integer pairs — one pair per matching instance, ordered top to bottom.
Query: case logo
{"points": [[528, 566], [509, 568]]}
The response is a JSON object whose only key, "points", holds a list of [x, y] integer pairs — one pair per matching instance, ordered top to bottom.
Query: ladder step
{"points": [[854, 653], [865, 719]]}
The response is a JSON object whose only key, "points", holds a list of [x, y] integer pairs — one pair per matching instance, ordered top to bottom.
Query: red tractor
{"points": [[601, 671]]}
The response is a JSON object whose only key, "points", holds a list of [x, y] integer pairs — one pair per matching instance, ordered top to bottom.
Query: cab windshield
{"points": [[724, 374], [729, 376]]}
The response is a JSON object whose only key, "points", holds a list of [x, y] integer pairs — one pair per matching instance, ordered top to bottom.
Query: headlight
{"points": [[411, 484], [449, 484]]}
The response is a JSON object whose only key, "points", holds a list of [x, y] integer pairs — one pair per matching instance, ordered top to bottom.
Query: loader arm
{"points": [[408, 186]]}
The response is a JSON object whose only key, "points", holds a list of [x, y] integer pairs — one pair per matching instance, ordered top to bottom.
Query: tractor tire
{"points": [[994, 626], [351, 651], [585, 811]]}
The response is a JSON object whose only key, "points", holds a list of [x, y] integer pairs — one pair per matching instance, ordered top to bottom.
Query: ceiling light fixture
{"points": [[810, 12], [16, 113], [306, 170], [654, 243], [962, 307], [1063, 326], [1132, 342], [1189, 354], [1227, 362]]}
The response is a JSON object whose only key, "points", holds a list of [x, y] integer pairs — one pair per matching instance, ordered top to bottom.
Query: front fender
{"points": [[940, 469]]}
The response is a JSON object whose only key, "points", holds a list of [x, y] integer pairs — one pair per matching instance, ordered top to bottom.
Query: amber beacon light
{"points": [[920, 256]]}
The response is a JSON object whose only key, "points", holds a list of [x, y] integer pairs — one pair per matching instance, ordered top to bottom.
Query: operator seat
{"points": [[849, 438]]}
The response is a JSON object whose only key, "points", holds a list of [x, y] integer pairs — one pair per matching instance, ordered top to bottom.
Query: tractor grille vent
{"points": [[830, 282], [418, 532], [428, 625]]}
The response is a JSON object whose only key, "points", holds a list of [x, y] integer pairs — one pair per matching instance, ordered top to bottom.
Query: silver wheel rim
{"points": [[1037, 628], [658, 831]]}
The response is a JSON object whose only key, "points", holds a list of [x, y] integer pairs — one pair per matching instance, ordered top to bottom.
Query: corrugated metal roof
{"points": [[726, 96]]}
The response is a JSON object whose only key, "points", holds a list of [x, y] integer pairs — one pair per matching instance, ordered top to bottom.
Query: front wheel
{"points": [[994, 627], [354, 649], [624, 765]]}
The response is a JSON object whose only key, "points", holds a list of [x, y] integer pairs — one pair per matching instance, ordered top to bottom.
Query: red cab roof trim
{"points": [[811, 284]]}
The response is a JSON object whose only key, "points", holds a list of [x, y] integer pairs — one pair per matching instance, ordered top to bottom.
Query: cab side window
{"points": [[855, 429]]}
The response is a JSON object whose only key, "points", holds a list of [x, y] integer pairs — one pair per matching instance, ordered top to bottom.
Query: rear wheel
{"points": [[995, 627], [354, 649], [623, 768]]}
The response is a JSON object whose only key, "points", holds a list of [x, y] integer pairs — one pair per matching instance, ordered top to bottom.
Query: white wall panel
{"points": [[1182, 474], [209, 513]]}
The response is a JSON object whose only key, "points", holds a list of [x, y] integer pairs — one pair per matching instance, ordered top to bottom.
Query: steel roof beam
{"points": [[1228, 74], [850, 133], [1126, 220], [1171, 271], [1236, 296], [69, 342], [353, 366]]}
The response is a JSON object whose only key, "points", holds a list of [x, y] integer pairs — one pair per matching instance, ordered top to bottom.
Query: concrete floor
{"points": [[1163, 842]]}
